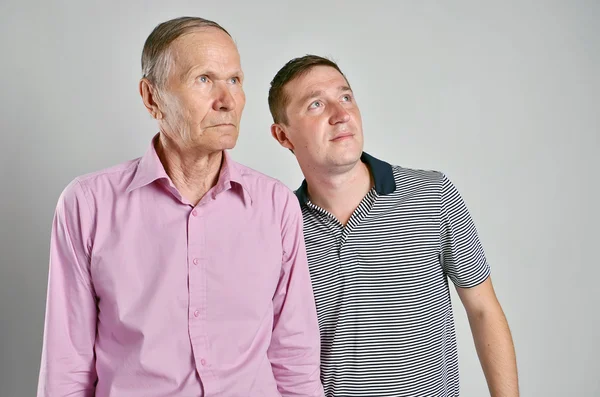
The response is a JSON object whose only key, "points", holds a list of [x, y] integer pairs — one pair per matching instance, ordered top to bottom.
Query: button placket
{"points": [[197, 291]]}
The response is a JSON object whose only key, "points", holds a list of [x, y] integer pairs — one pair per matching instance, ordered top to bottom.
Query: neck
{"points": [[192, 171], [340, 193]]}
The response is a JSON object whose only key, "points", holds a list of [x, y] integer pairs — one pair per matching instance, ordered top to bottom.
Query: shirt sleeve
{"points": [[462, 255], [295, 347], [68, 364]]}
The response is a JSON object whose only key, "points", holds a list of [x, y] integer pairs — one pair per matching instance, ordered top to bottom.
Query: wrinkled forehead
{"points": [[204, 45]]}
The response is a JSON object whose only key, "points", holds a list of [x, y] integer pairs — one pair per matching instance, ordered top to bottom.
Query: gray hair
{"points": [[156, 58]]}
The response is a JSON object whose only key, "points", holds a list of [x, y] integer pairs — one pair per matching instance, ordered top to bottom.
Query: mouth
{"points": [[222, 125], [342, 136]]}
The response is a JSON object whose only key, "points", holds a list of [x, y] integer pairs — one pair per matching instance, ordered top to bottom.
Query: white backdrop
{"points": [[501, 96]]}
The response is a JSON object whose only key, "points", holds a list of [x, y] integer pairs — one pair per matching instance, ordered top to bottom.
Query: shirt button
{"points": [[194, 213], [196, 261], [196, 313], [203, 362]]}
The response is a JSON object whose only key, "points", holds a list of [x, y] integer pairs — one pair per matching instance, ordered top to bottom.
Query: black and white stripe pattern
{"points": [[381, 286]]}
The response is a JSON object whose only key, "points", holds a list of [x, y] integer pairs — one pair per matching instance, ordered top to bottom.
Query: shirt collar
{"points": [[150, 169], [230, 174], [382, 175]]}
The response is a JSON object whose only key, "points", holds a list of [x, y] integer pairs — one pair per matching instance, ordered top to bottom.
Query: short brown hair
{"points": [[155, 55], [297, 67]]}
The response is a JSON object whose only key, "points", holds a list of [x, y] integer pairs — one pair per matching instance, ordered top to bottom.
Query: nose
{"points": [[224, 101], [338, 114]]}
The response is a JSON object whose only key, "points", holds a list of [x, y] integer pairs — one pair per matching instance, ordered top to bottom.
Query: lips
{"points": [[342, 136]]}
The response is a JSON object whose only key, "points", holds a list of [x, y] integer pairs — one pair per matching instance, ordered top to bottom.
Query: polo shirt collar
{"points": [[380, 170]]}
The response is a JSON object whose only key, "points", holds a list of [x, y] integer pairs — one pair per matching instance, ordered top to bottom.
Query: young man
{"points": [[382, 242]]}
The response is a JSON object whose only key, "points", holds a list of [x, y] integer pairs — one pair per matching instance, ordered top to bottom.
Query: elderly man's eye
{"points": [[203, 79], [234, 80]]}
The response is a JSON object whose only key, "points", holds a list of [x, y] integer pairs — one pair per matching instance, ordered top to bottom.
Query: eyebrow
{"points": [[195, 69], [186, 75], [317, 93]]}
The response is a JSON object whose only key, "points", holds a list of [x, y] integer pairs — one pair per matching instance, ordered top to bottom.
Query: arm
{"points": [[465, 264], [492, 338], [294, 352], [67, 365]]}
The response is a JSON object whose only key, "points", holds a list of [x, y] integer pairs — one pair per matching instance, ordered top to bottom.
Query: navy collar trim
{"points": [[381, 171]]}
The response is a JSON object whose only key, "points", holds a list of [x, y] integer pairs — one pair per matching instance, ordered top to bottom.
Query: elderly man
{"points": [[382, 242], [181, 273]]}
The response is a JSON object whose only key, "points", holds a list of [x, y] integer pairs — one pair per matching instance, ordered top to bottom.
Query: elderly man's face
{"points": [[203, 99]]}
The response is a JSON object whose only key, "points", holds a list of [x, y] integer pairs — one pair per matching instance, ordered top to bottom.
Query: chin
{"points": [[228, 142], [348, 155], [344, 161]]}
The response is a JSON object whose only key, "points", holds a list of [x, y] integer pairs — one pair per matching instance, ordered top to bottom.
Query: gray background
{"points": [[502, 96]]}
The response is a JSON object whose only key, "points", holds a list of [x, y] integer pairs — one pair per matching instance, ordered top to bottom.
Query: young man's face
{"points": [[324, 127]]}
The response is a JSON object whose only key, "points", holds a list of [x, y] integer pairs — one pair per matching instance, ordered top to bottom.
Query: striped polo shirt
{"points": [[381, 284]]}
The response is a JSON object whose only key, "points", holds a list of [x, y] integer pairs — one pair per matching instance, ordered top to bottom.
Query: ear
{"points": [[149, 97], [278, 132]]}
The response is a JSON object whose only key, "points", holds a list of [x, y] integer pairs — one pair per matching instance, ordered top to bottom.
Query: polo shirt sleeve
{"points": [[462, 255]]}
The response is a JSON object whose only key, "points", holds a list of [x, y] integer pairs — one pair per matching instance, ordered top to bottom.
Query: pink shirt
{"points": [[150, 296]]}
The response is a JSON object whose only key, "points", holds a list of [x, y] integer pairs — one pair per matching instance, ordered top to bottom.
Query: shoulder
{"points": [[404, 175], [259, 183], [424, 183], [85, 186], [267, 191]]}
